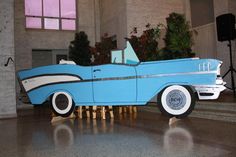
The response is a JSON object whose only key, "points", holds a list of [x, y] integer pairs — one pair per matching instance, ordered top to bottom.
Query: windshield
{"points": [[126, 56]]}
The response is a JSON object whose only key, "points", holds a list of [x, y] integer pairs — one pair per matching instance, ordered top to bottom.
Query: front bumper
{"points": [[209, 92]]}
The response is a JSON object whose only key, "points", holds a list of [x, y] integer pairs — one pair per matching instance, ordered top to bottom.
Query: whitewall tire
{"points": [[176, 100], [62, 104]]}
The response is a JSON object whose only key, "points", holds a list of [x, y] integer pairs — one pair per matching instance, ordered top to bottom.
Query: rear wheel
{"points": [[175, 100], [62, 104]]}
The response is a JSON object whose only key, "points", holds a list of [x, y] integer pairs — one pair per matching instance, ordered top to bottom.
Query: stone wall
{"points": [[223, 7], [140, 12], [120, 17], [88, 19], [113, 20], [205, 38], [28, 39], [205, 41], [41, 58], [7, 74]]}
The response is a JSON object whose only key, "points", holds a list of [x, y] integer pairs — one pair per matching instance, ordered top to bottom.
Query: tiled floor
{"points": [[226, 96], [220, 111], [145, 134]]}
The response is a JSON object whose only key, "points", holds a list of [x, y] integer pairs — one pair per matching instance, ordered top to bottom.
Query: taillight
{"points": [[218, 69]]}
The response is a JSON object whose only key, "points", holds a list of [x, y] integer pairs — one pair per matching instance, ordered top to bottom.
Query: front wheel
{"points": [[175, 100], [62, 104]]}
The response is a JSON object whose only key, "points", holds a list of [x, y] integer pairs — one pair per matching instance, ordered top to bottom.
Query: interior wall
{"points": [[223, 7], [232, 9], [202, 12], [140, 13], [97, 17], [88, 19], [113, 20], [203, 28], [28, 39], [205, 41], [41, 58], [7, 73]]}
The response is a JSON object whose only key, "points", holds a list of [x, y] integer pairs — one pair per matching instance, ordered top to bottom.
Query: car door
{"points": [[113, 83]]}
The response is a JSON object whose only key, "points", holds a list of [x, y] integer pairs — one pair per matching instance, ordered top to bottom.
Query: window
{"points": [[50, 14], [43, 57], [60, 57]]}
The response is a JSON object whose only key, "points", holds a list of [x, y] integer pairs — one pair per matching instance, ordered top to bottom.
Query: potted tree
{"points": [[178, 38], [79, 49]]}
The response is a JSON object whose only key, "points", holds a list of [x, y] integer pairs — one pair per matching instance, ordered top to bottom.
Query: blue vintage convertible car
{"points": [[174, 83]]}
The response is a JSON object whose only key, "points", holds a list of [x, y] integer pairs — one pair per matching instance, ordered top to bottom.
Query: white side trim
{"points": [[62, 61], [176, 74], [43, 80], [210, 89], [164, 100], [55, 106]]}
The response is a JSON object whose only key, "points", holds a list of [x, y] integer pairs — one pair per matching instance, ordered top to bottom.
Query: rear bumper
{"points": [[209, 92]]}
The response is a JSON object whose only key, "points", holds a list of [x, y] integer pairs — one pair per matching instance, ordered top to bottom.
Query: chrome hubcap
{"points": [[176, 99]]}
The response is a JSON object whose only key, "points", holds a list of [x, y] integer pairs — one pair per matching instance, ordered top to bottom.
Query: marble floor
{"points": [[145, 134]]}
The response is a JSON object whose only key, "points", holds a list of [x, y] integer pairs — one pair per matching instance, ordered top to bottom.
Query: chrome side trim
{"points": [[176, 74], [52, 79], [209, 89]]}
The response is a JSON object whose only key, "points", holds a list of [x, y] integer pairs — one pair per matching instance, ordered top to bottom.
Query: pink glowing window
{"points": [[33, 7], [51, 8], [68, 9], [50, 14], [33, 22], [51, 23], [68, 24]]}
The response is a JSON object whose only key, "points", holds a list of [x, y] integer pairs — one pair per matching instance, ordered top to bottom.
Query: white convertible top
{"points": [[62, 61]]}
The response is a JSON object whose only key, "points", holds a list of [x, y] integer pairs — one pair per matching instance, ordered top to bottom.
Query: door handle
{"points": [[95, 70]]}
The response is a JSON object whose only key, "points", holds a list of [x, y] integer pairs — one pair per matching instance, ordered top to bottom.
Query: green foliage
{"points": [[178, 39], [178, 43], [146, 45], [79, 49], [102, 51]]}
